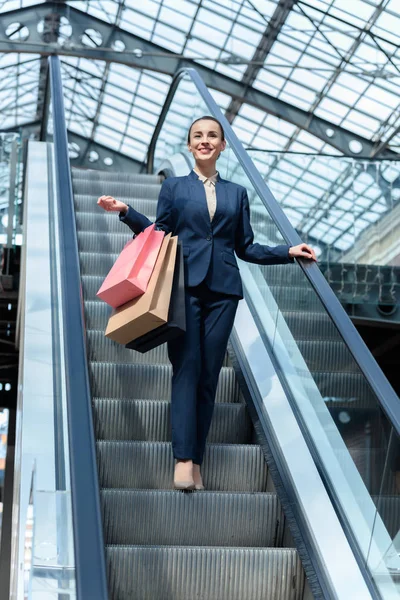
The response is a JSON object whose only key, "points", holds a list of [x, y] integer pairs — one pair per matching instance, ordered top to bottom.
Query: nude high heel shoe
{"points": [[183, 476], [198, 481]]}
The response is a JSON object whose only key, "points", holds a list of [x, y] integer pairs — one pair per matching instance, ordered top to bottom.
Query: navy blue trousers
{"points": [[197, 357]]}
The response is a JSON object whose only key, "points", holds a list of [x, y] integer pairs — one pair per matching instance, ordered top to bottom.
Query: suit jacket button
{"points": [[208, 238]]}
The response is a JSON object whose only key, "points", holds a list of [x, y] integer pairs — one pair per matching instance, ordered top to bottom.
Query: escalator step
{"points": [[108, 176], [122, 190], [88, 204], [103, 223], [90, 241], [95, 263], [303, 298], [96, 315], [307, 325], [102, 349], [327, 356], [150, 382], [345, 389], [149, 420], [150, 465], [164, 517], [173, 573], [218, 573]]}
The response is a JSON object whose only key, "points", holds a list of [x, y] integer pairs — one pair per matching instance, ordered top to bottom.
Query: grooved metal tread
{"points": [[110, 176], [119, 189], [87, 204], [90, 241], [102, 349], [329, 356], [151, 382], [150, 420], [150, 465], [164, 517], [203, 573]]}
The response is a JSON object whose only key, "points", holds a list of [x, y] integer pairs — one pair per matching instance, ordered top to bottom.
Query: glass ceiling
{"points": [[336, 59]]}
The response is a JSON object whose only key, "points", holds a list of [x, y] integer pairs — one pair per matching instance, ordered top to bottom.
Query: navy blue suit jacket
{"points": [[208, 247]]}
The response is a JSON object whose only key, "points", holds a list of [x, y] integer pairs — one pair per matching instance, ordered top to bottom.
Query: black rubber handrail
{"points": [[385, 394], [90, 566]]}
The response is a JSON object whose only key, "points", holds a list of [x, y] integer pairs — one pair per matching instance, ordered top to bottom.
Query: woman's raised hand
{"points": [[111, 204]]}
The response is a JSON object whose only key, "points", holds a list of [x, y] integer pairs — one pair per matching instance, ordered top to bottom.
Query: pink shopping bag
{"points": [[130, 274]]}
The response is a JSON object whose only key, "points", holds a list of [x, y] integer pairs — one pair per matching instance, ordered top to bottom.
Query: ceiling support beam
{"points": [[267, 40], [142, 54]]}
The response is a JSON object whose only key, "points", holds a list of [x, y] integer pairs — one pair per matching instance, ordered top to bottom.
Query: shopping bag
{"points": [[131, 272], [150, 310], [176, 324]]}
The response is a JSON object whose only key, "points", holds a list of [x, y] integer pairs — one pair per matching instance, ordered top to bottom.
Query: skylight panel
{"points": [[9, 5], [149, 7], [188, 7], [357, 13], [176, 18], [388, 23], [138, 24], [171, 34], [195, 47], [299, 93], [343, 94], [331, 107], [374, 108], [115, 121], [361, 123]]}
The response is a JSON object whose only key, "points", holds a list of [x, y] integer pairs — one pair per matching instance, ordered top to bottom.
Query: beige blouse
{"points": [[209, 186]]}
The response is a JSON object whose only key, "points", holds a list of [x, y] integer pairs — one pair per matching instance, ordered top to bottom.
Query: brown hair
{"points": [[209, 118]]}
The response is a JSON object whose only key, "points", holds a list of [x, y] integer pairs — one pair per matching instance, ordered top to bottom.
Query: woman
{"points": [[212, 219]]}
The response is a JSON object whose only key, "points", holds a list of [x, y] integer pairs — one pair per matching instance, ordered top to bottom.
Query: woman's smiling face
{"points": [[206, 141]]}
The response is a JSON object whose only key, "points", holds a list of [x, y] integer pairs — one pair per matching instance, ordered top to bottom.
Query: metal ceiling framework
{"points": [[95, 37]]}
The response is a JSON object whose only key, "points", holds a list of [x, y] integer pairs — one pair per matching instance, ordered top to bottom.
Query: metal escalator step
{"points": [[96, 175], [121, 190], [88, 203], [103, 223], [90, 241], [96, 263], [290, 274], [91, 285], [289, 298], [96, 315], [306, 325], [102, 349], [327, 356], [150, 382], [345, 389], [149, 420], [150, 465], [389, 509], [161, 517], [173, 573]]}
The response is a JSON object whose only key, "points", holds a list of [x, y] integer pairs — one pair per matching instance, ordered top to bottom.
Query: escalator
{"points": [[301, 468], [168, 544]]}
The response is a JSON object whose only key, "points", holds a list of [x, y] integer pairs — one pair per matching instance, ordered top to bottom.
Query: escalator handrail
{"points": [[387, 397], [90, 565]]}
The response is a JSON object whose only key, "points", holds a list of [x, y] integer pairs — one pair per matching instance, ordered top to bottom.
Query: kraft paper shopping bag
{"points": [[150, 310], [176, 324]]}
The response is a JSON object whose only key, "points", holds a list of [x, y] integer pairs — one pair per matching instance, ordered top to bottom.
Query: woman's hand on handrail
{"points": [[110, 204], [302, 251]]}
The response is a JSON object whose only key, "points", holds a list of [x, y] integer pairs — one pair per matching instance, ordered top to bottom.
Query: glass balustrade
{"points": [[353, 441]]}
